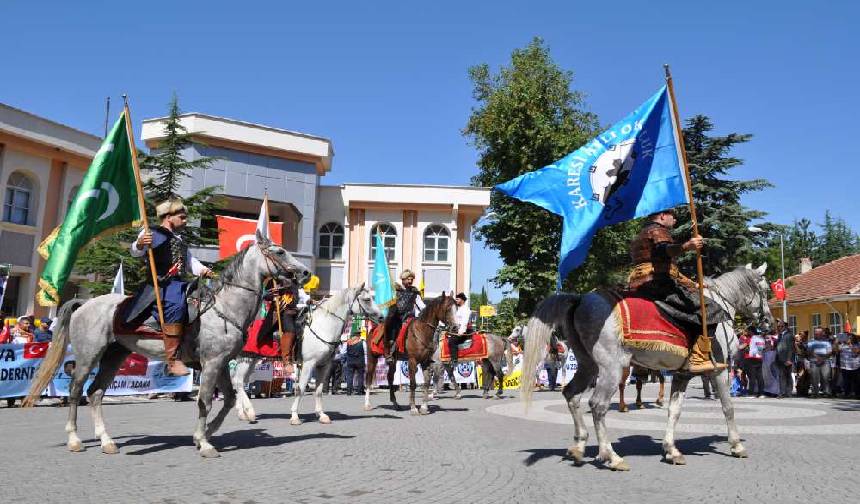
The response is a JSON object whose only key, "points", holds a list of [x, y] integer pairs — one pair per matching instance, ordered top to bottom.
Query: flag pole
{"points": [[130, 134], [694, 219], [274, 281]]}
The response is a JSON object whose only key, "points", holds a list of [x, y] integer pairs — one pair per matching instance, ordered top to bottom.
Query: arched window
{"points": [[19, 199], [436, 239], [389, 240], [331, 241]]}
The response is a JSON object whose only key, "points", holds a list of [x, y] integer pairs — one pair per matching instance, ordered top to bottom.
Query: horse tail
{"points": [[550, 313], [55, 354]]}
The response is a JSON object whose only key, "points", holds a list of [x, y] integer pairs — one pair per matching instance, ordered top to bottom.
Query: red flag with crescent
{"points": [[234, 234], [778, 288]]}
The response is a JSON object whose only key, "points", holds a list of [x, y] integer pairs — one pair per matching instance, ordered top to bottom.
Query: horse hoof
{"points": [[485, 396], [458, 397], [497, 397], [659, 403], [639, 405], [367, 407], [622, 408], [424, 410], [413, 411], [243, 417], [324, 419], [295, 421], [75, 446], [110, 448], [209, 452], [742, 453], [576, 454], [676, 460], [620, 465]]}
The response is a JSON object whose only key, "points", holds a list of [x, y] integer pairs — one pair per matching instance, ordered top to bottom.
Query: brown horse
{"points": [[421, 342], [641, 374]]}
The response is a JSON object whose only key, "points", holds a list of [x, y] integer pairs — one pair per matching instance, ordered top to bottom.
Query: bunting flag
{"points": [[631, 170], [106, 202], [119, 282], [383, 291]]}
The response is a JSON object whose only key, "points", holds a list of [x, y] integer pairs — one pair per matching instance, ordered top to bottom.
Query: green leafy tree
{"points": [[527, 116], [165, 169], [723, 221], [478, 299], [507, 316]]}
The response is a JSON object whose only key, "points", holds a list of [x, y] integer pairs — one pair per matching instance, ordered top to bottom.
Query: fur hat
{"points": [[170, 206], [407, 274]]}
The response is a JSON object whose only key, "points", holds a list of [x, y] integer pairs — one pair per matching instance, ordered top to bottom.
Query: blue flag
{"points": [[630, 170], [383, 291]]}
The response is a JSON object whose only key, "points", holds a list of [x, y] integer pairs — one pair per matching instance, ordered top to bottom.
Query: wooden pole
{"points": [[130, 133], [694, 219], [277, 299]]}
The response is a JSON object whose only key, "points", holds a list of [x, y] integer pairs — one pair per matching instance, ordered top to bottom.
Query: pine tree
{"points": [[163, 172], [723, 221], [836, 240]]}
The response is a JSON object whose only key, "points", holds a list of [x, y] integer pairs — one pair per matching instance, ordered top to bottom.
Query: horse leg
{"points": [[110, 363], [244, 368], [322, 369], [391, 370], [488, 374], [500, 374], [369, 375], [625, 375], [304, 378], [208, 379], [607, 380], [720, 382], [413, 384], [639, 384], [225, 385], [76, 387], [572, 392], [662, 392], [676, 400], [425, 409]]}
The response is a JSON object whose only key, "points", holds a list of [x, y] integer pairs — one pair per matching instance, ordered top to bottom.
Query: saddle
{"points": [[132, 306], [643, 326], [400, 342], [473, 349]]}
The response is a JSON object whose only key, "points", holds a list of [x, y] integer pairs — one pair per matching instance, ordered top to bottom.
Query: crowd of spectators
{"points": [[25, 329]]}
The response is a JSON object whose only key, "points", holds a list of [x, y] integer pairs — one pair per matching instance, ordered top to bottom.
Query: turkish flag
{"points": [[234, 234], [778, 289], [35, 350], [134, 365]]}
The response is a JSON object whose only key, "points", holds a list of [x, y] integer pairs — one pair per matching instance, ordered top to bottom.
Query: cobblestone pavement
{"points": [[469, 450]]}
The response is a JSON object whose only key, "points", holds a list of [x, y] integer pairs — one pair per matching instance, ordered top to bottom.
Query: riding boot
{"points": [[172, 340], [287, 340], [453, 349], [700, 357]]}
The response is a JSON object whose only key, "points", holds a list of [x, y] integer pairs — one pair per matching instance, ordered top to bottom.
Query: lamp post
{"points": [[755, 229]]}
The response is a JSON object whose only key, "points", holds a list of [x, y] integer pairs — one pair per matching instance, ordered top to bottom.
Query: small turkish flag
{"points": [[234, 234], [778, 289], [848, 327], [35, 350], [134, 365]]}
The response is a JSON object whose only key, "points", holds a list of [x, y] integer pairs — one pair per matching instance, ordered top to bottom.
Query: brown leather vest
{"points": [[643, 248]]}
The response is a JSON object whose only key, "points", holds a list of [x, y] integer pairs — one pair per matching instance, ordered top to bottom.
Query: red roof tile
{"points": [[835, 278]]}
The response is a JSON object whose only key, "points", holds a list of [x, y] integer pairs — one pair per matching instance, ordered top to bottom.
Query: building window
{"points": [[19, 197], [436, 239], [389, 240], [331, 241], [814, 321], [835, 323], [792, 324]]}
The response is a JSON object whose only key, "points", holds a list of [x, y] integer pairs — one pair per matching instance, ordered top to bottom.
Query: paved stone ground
{"points": [[470, 450]]}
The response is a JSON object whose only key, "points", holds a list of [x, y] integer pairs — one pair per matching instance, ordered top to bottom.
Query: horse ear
{"points": [[259, 237], [748, 266], [761, 269], [362, 286]]}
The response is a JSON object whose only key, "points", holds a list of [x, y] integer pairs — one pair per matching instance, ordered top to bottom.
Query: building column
{"points": [[408, 250], [356, 262]]}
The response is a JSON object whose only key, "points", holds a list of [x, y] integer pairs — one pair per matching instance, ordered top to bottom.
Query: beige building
{"points": [[41, 165]]}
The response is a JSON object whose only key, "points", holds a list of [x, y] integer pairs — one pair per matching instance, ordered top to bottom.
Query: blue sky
{"points": [[387, 81]]}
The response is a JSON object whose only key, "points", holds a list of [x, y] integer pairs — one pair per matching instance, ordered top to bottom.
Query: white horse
{"points": [[590, 327], [320, 338]]}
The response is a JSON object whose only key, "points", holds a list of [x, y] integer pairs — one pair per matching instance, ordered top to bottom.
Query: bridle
{"points": [[361, 310]]}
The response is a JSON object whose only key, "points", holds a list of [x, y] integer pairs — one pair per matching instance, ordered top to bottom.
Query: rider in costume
{"points": [[173, 264], [656, 276], [408, 303], [462, 317]]}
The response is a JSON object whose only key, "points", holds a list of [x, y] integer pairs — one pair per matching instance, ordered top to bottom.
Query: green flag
{"points": [[106, 202]]}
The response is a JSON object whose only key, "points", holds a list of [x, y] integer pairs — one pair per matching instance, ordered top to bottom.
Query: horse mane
{"points": [[231, 272], [740, 281], [337, 297], [429, 307]]}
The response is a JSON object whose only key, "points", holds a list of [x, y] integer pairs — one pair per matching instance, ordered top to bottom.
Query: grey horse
{"points": [[592, 332], [212, 340], [492, 367]]}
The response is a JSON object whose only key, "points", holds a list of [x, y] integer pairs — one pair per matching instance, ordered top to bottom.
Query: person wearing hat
{"points": [[173, 265], [655, 275], [408, 303], [462, 317], [354, 364]]}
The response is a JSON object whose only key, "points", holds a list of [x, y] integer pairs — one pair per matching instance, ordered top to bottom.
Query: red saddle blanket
{"points": [[644, 327], [121, 329], [377, 338], [264, 346], [473, 350]]}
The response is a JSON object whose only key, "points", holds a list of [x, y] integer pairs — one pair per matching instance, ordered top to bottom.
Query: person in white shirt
{"points": [[462, 318]]}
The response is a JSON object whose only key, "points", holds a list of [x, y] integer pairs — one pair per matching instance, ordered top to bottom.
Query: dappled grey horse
{"points": [[592, 332], [215, 337], [320, 338], [498, 354]]}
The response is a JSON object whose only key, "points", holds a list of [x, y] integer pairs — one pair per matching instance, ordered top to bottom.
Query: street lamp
{"points": [[755, 229]]}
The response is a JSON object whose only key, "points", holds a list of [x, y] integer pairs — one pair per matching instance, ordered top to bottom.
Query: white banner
{"points": [[138, 375]]}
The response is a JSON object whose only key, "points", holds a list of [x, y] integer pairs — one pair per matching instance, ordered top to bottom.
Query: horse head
{"points": [[269, 260], [363, 304], [758, 307], [443, 309]]}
